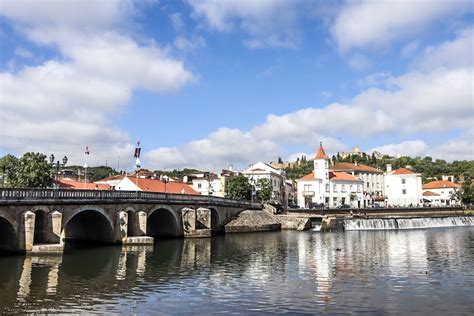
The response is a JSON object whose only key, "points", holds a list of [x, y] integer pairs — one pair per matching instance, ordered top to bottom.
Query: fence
{"points": [[67, 194]]}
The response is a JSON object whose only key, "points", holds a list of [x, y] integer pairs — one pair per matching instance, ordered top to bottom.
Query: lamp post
{"points": [[58, 165], [165, 180]]}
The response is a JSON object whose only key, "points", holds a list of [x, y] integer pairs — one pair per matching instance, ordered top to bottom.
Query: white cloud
{"points": [[177, 21], [268, 23], [375, 24], [184, 44], [22, 52], [359, 62], [76, 99], [421, 101], [411, 148], [460, 148]]}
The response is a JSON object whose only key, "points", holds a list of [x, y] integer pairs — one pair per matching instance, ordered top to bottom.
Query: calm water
{"points": [[417, 271]]}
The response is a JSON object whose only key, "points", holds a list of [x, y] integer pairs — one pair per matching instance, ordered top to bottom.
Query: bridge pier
{"points": [[196, 223], [135, 229]]}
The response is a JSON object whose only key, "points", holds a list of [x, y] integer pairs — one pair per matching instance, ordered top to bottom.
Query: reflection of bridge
{"points": [[40, 220]]}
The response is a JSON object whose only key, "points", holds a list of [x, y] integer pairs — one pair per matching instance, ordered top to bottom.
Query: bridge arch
{"points": [[163, 222], [87, 224], [8, 235]]}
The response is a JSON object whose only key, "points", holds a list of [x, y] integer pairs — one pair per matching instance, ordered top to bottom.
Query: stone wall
{"points": [[252, 221]]}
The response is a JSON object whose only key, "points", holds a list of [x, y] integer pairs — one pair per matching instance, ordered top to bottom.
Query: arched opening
{"points": [[215, 220], [162, 223], [132, 225], [89, 226], [40, 227], [8, 240]]}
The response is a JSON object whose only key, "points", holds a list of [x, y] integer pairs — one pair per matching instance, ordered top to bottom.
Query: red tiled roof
{"points": [[321, 154], [347, 166], [403, 171], [309, 176], [342, 176], [115, 177], [76, 185], [155, 185], [440, 185], [430, 193]]}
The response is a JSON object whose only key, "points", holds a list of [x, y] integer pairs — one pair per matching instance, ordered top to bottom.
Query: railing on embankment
{"points": [[18, 194], [383, 212]]}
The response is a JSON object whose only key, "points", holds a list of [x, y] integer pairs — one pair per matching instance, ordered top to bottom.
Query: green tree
{"points": [[8, 166], [33, 171], [239, 188], [264, 190]]}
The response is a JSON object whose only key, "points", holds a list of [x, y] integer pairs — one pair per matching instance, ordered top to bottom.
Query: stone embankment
{"points": [[253, 221]]}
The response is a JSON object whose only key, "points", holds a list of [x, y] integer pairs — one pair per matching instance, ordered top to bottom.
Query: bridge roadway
{"points": [[42, 220]]}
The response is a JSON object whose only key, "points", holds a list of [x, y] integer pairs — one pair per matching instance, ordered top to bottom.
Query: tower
{"points": [[321, 165]]}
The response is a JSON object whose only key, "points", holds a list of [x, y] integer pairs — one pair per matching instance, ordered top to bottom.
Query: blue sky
{"points": [[211, 83]]}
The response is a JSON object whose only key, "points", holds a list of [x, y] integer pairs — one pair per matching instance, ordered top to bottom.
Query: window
{"points": [[403, 181], [199, 185], [327, 187], [334, 188], [343, 188], [404, 191]]}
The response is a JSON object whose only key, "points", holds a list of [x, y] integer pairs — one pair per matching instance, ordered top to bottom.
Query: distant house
{"points": [[261, 170], [373, 180], [77, 185], [153, 185], [403, 187], [331, 188], [441, 193]]}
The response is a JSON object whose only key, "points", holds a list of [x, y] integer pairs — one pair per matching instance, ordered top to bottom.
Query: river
{"points": [[428, 271]]}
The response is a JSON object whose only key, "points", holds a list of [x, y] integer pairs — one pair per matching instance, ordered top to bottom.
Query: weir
{"points": [[406, 223]]}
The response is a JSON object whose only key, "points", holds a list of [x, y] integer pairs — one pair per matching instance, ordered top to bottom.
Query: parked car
{"points": [[344, 206]]}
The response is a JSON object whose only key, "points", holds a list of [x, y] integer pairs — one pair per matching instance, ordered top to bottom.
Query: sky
{"points": [[213, 83]]}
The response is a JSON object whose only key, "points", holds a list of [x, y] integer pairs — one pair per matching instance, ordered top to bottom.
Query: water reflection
{"points": [[309, 272]]}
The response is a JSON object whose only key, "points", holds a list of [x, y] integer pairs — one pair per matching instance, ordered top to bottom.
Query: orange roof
{"points": [[321, 154], [347, 166], [402, 171], [309, 176], [342, 176], [115, 177], [76, 185], [155, 185], [440, 185], [430, 193]]}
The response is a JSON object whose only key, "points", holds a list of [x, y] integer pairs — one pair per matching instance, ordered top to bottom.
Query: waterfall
{"points": [[407, 223]]}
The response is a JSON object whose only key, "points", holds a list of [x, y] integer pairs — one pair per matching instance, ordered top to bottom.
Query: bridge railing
{"points": [[69, 194]]}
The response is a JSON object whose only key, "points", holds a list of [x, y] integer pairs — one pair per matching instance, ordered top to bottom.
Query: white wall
{"points": [[394, 189]]}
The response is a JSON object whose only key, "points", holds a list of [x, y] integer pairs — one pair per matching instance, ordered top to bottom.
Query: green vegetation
{"points": [[30, 171], [177, 173], [238, 187], [264, 190]]}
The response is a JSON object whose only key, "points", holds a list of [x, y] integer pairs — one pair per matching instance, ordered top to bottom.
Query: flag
{"points": [[87, 150], [137, 150]]}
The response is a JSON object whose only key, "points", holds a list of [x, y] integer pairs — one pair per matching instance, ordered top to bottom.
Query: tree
{"points": [[8, 165], [33, 171], [239, 188], [264, 190], [467, 192]]}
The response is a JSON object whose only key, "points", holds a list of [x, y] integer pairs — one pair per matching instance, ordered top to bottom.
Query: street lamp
{"points": [[57, 164], [165, 180]]}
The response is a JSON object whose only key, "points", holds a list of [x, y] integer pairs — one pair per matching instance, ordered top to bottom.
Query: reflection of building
{"points": [[276, 177], [373, 180], [326, 187], [403, 187], [441, 193]]}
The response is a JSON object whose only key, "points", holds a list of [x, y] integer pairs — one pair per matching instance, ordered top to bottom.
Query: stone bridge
{"points": [[42, 220]]}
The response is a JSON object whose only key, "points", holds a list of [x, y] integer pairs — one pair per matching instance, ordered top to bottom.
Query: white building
{"points": [[261, 170], [373, 180], [402, 187], [329, 188], [441, 193]]}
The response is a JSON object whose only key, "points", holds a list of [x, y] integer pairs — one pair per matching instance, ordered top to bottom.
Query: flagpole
{"points": [[86, 153], [137, 165]]}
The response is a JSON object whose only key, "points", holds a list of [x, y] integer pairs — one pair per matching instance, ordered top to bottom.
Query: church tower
{"points": [[321, 165]]}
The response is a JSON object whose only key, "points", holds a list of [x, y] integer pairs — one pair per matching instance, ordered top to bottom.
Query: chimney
{"points": [[389, 168]]}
